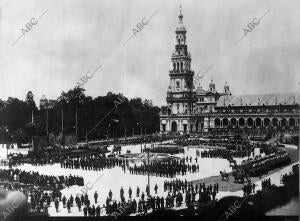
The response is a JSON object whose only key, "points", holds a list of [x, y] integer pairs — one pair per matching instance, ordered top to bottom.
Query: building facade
{"points": [[193, 110]]}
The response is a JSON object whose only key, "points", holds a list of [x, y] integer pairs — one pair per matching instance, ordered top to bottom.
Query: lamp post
{"points": [[76, 123], [140, 125], [108, 130], [125, 132], [86, 139], [7, 145], [148, 172]]}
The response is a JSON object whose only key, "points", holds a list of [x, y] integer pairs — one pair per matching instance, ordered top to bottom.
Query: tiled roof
{"points": [[259, 99]]}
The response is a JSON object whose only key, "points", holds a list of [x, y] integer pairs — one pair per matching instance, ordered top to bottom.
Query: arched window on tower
{"points": [[174, 66], [177, 66], [181, 66]]}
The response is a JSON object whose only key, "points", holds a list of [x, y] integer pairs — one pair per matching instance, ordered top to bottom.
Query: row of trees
{"points": [[130, 116]]}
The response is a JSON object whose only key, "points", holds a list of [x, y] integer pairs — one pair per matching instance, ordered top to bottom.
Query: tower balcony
{"points": [[181, 47], [176, 56], [178, 72], [184, 97]]}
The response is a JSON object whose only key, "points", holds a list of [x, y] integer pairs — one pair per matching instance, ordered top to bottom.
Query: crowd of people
{"points": [[178, 193]]}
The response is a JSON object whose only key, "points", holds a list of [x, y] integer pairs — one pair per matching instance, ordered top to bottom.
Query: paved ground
{"points": [[115, 178]]}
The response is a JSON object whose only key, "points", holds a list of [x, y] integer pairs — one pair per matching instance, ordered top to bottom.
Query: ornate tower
{"points": [[180, 96]]}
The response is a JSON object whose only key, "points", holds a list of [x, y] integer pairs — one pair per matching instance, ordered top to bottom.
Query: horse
{"points": [[224, 175]]}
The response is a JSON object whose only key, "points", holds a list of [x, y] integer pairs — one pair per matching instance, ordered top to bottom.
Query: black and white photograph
{"points": [[139, 109]]}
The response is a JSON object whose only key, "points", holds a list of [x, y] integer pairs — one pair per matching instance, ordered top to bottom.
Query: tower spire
{"points": [[180, 16], [180, 26]]}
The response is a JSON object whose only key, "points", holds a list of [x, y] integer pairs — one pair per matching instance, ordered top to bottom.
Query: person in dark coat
{"points": [[253, 187], [155, 188], [130, 192], [121, 193], [110, 195], [96, 196], [82, 198], [77, 199], [71, 200], [64, 201], [56, 202], [162, 203], [79, 205], [69, 206], [85, 210], [89, 210], [98, 210], [93, 211]]}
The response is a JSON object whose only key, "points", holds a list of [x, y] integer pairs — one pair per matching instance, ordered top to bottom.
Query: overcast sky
{"points": [[76, 36]]}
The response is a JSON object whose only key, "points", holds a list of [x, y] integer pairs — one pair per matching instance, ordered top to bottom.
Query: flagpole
{"points": [[47, 122], [76, 122], [62, 124], [32, 147]]}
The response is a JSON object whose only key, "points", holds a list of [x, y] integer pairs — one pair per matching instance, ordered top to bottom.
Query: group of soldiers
{"points": [[230, 144], [162, 149], [224, 153], [94, 162], [261, 165], [169, 168], [35, 178], [266, 183], [248, 189], [39, 200], [82, 202]]}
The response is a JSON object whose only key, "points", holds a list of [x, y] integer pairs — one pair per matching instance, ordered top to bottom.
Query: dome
{"points": [[211, 84], [200, 90]]}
